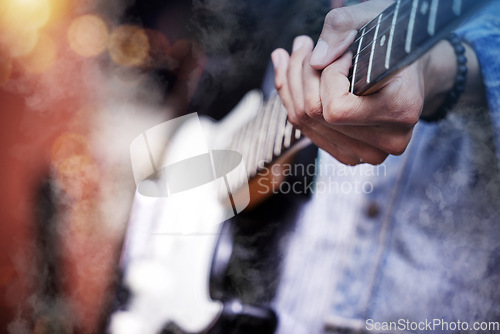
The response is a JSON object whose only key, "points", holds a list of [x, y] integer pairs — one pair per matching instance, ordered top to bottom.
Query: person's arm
{"points": [[439, 76], [315, 90]]}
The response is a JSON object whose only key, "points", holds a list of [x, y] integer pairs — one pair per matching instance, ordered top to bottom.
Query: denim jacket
{"points": [[412, 245]]}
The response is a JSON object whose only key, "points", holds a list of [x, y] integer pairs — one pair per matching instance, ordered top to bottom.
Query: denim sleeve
{"points": [[482, 32]]}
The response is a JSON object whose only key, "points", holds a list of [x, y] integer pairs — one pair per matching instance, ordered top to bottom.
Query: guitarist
{"points": [[416, 247]]}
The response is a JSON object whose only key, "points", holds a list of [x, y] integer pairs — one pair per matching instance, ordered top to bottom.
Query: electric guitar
{"points": [[175, 248]]}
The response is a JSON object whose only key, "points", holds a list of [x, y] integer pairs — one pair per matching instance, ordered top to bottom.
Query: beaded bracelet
{"points": [[460, 79]]}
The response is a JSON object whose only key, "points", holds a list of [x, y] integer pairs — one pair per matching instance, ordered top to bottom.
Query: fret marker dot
{"points": [[424, 8], [382, 40]]}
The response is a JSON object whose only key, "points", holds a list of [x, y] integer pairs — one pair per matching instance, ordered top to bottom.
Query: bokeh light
{"points": [[25, 14], [88, 35], [19, 43], [129, 46], [159, 48], [41, 57], [68, 144], [76, 170], [78, 176], [84, 218]]}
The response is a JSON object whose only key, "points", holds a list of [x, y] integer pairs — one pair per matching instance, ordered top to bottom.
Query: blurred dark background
{"points": [[236, 37]]}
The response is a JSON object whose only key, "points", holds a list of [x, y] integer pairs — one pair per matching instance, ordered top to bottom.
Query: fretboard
{"points": [[401, 34], [394, 39], [266, 137]]}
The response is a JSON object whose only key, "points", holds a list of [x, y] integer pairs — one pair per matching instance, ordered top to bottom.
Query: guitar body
{"points": [[169, 279]]}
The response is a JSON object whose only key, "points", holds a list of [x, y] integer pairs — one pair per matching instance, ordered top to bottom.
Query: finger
{"points": [[340, 29], [302, 47], [281, 59], [311, 87], [399, 103], [391, 140], [325, 143], [343, 147]]}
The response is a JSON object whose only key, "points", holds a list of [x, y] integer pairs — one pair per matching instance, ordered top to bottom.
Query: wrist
{"points": [[439, 76]]}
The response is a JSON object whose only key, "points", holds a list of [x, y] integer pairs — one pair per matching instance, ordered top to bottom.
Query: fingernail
{"points": [[298, 42], [319, 53], [275, 57]]}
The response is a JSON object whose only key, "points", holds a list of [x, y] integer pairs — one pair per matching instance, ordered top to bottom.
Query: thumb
{"points": [[340, 28]]}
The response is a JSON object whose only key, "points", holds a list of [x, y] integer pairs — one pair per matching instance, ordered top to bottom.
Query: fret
{"points": [[444, 15], [411, 25], [431, 28], [399, 34], [391, 35], [374, 44], [379, 50], [363, 56], [356, 61], [273, 126], [272, 130], [281, 131], [264, 134], [298, 134], [256, 135], [288, 135], [261, 138]]}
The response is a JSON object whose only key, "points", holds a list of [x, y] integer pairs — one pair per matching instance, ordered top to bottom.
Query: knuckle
{"points": [[339, 19], [279, 83], [313, 107], [406, 111], [335, 113], [302, 116], [296, 119], [397, 145]]}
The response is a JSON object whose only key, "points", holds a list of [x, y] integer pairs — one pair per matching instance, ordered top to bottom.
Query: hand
{"points": [[315, 91]]}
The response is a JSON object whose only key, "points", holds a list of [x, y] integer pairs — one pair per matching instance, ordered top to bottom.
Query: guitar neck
{"points": [[400, 35], [394, 39], [268, 136]]}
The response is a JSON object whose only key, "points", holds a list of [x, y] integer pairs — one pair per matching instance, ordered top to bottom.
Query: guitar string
{"points": [[386, 16], [401, 18], [383, 32], [369, 44], [365, 55], [268, 119], [245, 146]]}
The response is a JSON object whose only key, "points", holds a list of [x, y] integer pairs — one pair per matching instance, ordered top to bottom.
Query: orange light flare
{"points": [[20, 15], [20, 21], [88, 35], [19, 43], [129, 46], [133, 46], [135, 50], [41, 57], [76, 171], [88, 241]]}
